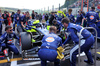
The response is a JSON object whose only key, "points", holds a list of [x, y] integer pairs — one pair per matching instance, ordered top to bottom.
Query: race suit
{"points": [[91, 16], [71, 18], [17, 19], [79, 19], [6, 41], [87, 41], [48, 51]]}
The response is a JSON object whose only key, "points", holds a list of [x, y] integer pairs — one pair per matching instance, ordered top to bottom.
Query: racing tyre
{"points": [[26, 40]]}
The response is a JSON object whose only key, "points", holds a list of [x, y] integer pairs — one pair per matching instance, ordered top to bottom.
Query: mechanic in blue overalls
{"points": [[70, 16], [92, 16], [79, 18], [17, 19], [24, 19], [58, 24], [6, 40], [87, 41], [48, 51]]}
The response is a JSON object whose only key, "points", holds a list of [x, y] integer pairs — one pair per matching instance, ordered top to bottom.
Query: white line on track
{"points": [[14, 63]]}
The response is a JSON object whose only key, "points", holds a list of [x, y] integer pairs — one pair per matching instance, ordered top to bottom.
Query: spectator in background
{"points": [[85, 3], [93, 4], [98, 7], [0, 13], [23, 13], [33, 15], [5, 16], [28, 16], [37, 16], [43, 16], [12, 17], [40, 17], [46, 17], [52, 17], [9, 18], [1, 20]]}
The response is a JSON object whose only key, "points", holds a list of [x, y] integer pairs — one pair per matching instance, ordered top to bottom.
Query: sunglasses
{"points": [[11, 30]]}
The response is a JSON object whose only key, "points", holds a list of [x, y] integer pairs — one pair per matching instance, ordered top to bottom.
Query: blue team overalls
{"points": [[91, 16], [71, 18], [24, 19], [79, 19], [18, 22], [60, 25], [6, 41], [87, 41], [48, 51]]}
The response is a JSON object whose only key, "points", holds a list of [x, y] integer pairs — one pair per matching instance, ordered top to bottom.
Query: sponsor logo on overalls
{"points": [[91, 17], [50, 39], [10, 41]]}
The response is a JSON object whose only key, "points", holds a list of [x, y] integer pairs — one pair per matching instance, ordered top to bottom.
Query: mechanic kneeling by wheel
{"points": [[6, 40], [48, 51]]}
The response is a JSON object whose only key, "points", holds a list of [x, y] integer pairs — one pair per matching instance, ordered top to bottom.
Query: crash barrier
{"points": [[95, 44]]}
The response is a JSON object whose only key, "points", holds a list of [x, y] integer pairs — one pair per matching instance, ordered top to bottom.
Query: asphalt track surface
{"points": [[16, 60]]}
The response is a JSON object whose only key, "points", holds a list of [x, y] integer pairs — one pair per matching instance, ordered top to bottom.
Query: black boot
{"points": [[91, 63]]}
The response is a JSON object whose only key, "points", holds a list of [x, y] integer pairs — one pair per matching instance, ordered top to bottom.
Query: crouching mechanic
{"points": [[58, 24], [6, 40], [87, 41], [48, 51]]}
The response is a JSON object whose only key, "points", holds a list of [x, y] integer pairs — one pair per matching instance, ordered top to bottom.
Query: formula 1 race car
{"points": [[30, 40]]}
